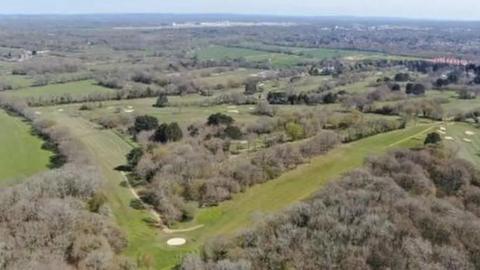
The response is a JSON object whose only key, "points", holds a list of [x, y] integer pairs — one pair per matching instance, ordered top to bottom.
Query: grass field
{"points": [[222, 52], [265, 53], [238, 76], [16, 81], [74, 89], [184, 112], [109, 150], [20, 154]]}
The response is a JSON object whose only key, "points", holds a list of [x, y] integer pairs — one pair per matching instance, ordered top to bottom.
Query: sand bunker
{"points": [[130, 107], [251, 108], [60, 110], [129, 111], [233, 111], [38, 113], [443, 128], [442, 132], [469, 133], [448, 138], [467, 140], [176, 242]]}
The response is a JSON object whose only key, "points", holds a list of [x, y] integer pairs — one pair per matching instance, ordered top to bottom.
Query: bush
{"points": [[402, 77], [251, 87], [416, 89], [162, 101], [263, 108], [219, 119], [145, 123], [294, 131], [233, 132], [168, 133], [433, 138], [134, 156], [96, 202], [137, 204]]}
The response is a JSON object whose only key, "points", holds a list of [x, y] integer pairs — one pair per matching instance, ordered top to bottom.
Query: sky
{"points": [[427, 9]]}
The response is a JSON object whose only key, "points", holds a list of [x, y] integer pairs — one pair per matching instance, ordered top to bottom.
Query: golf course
{"points": [[148, 241]]}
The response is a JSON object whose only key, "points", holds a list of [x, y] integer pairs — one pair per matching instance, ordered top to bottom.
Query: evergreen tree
{"points": [[162, 101]]}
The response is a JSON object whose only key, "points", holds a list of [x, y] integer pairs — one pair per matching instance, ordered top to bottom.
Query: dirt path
{"points": [[413, 136], [153, 213], [156, 216]]}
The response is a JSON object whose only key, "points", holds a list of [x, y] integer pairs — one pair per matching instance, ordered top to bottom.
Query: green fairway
{"points": [[73, 89], [464, 140], [108, 150], [20, 152], [300, 183]]}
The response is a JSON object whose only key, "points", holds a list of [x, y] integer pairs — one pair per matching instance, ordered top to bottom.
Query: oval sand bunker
{"points": [[176, 242]]}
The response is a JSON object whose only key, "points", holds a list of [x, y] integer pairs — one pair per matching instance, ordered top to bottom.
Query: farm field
{"points": [[109, 151], [21, 154]]}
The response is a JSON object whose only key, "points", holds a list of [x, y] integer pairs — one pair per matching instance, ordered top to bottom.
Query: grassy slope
{"points": [[109, 150], [20, 152]]}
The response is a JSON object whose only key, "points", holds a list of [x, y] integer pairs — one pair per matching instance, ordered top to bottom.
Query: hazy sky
{"points": [[436, 9]]}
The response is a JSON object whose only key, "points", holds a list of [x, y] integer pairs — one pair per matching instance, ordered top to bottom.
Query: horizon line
{"points": [[306, 16]]}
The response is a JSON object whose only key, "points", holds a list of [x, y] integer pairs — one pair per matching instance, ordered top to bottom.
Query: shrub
{"points": [[402, 77], [251, 87], [416, 89], [162, 101], [263, 108], [219, 119], [145, 123], [294, 131], [233, 132], [168, 133], [433, 138], [134, 156], [96, 202]]}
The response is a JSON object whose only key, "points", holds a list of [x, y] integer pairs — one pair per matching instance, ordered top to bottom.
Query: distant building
{"points": [[450, 61]]}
